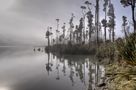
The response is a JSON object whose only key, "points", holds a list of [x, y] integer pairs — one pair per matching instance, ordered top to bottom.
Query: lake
{"points": [[32, 69]]}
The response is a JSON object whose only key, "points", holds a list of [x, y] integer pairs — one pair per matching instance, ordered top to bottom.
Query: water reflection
{"points": [[33, 69], [83, 69]]}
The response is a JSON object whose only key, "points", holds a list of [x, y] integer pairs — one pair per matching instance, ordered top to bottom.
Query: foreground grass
{"points": [[121, 74], [121, 77]]}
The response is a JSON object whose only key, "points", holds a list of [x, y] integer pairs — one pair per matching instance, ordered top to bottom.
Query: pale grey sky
{"points": [[26, 20]]}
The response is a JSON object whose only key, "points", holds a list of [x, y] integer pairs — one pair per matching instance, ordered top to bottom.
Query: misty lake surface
{"points": [[33, 69]]}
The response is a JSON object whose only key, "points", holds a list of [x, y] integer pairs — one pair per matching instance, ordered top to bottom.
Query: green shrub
{"points": [[127, 49]]}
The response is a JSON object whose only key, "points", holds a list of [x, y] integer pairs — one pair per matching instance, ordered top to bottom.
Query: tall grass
{"points": [[127, 49]]}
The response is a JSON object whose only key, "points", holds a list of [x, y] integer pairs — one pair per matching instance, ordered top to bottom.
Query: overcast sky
{"points": [[26, 20]]}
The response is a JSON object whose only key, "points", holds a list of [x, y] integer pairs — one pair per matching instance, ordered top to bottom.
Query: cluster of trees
{"points": [[132, 4], [125, 26], [82, 34]]}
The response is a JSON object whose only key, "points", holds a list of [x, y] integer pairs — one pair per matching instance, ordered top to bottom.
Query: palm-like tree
{"points": [[131, 3], [88, 5], [124, 18], [90, 20], [97, 21], [104, 21], [111, 23], [90, 24], [71, 27], [84, 27], [57, 30], [64, 30], [80, 30], [48, 34], [77, 34]]}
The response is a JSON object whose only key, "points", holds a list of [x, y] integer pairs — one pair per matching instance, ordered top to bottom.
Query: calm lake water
{"points": [[29, 69]]}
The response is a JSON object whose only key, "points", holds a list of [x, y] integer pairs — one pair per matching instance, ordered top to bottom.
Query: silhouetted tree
{"points": [[131, 3], [88, 5], [84, 15], [124, 18], [90, 20], [97, 21], [104, 21], [111, 23], [90, 24], [71, 27], [64, 30], [80, 30], [57, 31], [48, 33], [77, 34], [87, 34]]}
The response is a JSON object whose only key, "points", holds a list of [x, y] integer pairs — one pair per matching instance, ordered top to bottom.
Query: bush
{"points": [[127, 49], [106, 50]]}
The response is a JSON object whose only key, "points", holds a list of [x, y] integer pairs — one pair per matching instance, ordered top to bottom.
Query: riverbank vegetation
{"points": [[122, 74]]}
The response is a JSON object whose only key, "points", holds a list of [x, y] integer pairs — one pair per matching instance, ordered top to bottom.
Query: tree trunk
{"points": [[133, 17], [97, 21], [105, 25], [84, 30], [125, 32], [105, 33], [110, 34], [113, 35], [70, 37], [90, 37]]}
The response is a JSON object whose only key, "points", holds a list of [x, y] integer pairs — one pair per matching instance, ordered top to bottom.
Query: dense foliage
{"points": [[127, 49]]}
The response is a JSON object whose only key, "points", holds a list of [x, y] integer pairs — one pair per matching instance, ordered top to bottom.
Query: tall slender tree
{"points": [[131, 3], [84, 16], [124, 18], [90, 20], [97, 21], [104, 21], [111, 23], [90, 25], [71, 27], [57, 30], [64, 30], [80, 30], [48, 34], [77, 34]]}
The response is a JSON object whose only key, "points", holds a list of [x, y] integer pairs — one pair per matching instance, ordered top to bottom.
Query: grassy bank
{"points": [[121, 75]]}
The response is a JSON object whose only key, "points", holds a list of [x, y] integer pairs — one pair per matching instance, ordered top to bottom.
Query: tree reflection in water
{"points": [[49, 65], [85, 69]]}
